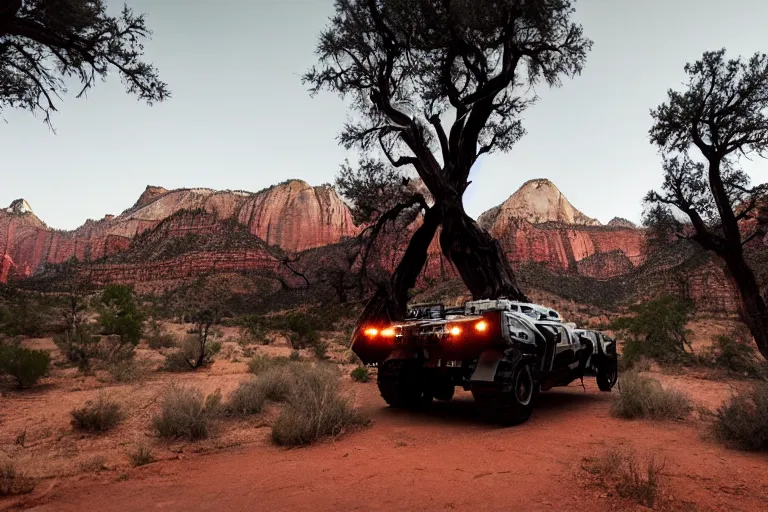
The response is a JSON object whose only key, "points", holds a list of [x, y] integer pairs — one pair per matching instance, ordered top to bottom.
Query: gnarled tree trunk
{"points": [[478, 256], [390, 301], [753, 309]]}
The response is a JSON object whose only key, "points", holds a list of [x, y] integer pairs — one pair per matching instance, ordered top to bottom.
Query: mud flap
{"points": [[400, 354], [486, 366]]}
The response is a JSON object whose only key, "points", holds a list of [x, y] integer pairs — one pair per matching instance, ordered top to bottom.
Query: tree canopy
{"points": [[46, 44], [433, 85], [703, 133]]}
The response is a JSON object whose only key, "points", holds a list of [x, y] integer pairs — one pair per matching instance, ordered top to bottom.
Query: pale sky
{"points": [[240, 118]]}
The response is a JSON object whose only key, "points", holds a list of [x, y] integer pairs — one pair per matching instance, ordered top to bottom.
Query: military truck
{"points": [[504, 352]]}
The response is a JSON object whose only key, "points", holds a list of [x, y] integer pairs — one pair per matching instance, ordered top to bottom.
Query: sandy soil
{"points": [[442, 459]]}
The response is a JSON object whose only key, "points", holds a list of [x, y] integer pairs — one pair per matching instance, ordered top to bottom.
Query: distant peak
{"points": [[150, 194], [537, 201], [19, 207], [621, 222]]}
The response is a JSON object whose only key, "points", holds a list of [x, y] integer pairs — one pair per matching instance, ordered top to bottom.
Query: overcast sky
{"points": [[241, 119]]}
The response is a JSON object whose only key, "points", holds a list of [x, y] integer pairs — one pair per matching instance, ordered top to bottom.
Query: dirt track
{"points": [[445, 459]]}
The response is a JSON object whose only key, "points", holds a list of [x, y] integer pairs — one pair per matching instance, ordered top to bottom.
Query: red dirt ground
{"points": [[443, 459]]}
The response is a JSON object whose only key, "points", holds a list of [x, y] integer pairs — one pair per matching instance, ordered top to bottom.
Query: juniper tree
{"points": [[45, 44], [433, 85], [703, 132]]}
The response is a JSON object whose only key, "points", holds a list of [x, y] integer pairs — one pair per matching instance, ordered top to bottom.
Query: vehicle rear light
{"points": [[481, 326], [455, 330], [371, 332], [389, 332]]}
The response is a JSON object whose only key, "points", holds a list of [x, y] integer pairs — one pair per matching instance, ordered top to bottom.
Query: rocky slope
{"points": [[292, 216], [170, 237]]}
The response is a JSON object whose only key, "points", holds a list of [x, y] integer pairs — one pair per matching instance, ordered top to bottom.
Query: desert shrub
{"points": [[21, 314], [119, 314], [656, 331], [156, 339], [78, 346], [213, 348], [320, 348], [194, 353], [734, 353], [294, 356], [261, 362], [25, 365], [126, 370], [360, 374], [277, 383], [645, 397], [248, 398], [315, 409], [185, 413], [97, 416], [743, 420], [141, 455], [94, 464], [631, 478], [13, 481]]}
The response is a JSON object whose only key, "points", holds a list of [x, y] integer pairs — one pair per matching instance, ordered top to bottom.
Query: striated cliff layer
{"points": [[292, 216]]}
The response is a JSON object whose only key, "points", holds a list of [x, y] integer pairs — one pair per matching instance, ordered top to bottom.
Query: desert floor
{"points": [[445, 458]]}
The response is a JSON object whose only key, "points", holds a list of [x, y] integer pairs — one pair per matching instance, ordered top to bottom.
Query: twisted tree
{"points": [[45, 43], [432, 86], [723, 114]]}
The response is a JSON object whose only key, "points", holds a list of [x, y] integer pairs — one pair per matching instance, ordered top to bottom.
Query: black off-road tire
{"points": [[607, 376], [401, 384], [510, 399]]}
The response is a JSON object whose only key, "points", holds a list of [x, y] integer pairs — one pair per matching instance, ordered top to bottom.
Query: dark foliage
{"points": [[48, 45], [723, 113], [120, 314], [25, 365], [743, 420]]}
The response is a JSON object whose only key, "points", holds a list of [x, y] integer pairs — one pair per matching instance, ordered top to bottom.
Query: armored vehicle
{"points": [[504, 352]]}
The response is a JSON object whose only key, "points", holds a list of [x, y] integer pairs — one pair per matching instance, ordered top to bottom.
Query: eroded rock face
{"points": [[537, 201], [293, 216]]}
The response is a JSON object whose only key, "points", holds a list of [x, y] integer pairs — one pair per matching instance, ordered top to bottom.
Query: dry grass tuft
{"points": [[644, 397], [185, 413], [97, 416], [743, 421], [141, 455], [630, 477], [13, 481]]}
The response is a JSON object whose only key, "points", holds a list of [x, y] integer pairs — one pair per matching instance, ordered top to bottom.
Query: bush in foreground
{"points": [[261, 363], [25, 365], [360, 374], [644, 397], [248, 398], [315, 409], [185, 413], [97, 416], [743, 420], [141, 455], [631, 478], [13, 481]]}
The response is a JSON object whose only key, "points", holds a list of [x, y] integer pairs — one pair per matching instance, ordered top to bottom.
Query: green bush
{"points": [[119, 314], [656, 331], [78, 347], [734, 353], [25, 365], [360, 374], [644, 397], [248, 398], [315, 409], [184, 413], [97, 416], [743, 420], [13, 481]]}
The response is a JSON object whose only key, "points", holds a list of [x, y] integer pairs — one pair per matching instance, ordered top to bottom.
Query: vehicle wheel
{"points": [[607, 376], [401, 386], [445, 392], [511, 399]]}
